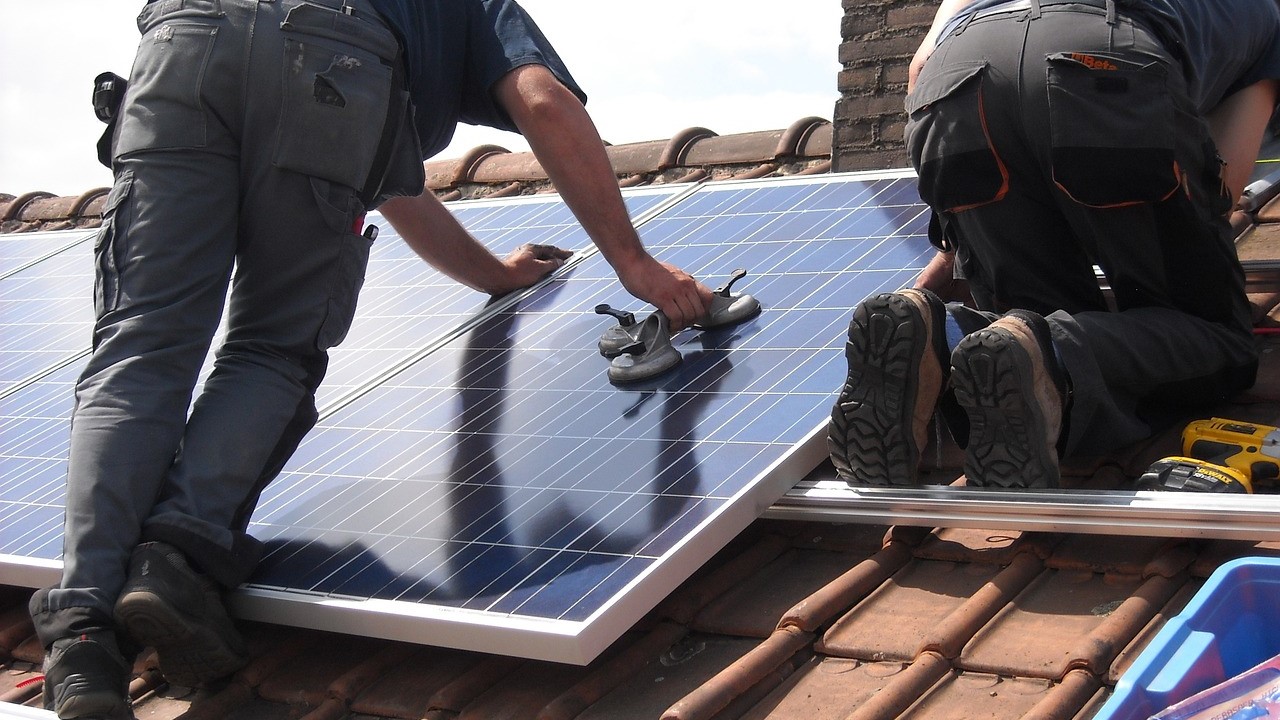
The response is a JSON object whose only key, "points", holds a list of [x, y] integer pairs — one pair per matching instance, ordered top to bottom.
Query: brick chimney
{"points": [[878, 38]]}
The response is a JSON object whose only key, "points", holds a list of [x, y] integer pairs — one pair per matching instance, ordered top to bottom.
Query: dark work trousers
{"points": [[245, 128], [1054, 137]]}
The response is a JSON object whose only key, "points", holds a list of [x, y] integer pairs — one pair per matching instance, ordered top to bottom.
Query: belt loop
{"points": [[1035, 10], [1111, 13]]}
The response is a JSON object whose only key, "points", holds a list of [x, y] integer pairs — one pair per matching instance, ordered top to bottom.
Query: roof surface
{"points": [[791, 620]]}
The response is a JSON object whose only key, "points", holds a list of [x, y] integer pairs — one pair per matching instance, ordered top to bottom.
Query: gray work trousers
{"points": [[246, 128], [1054, 138]]}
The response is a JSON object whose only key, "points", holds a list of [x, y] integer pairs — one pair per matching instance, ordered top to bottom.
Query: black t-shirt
{"points": [[1228, 44], [1225, 45], [455, 51]]}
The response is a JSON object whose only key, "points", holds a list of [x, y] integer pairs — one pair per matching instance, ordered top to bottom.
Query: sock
{"points": [[954, 333]]}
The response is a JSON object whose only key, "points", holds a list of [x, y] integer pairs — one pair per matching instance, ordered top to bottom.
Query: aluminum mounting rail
{"points": [[1111, 512]]}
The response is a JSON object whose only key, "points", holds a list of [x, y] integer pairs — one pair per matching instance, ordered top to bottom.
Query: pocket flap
{"points": [[330, 24], [942, 82]]}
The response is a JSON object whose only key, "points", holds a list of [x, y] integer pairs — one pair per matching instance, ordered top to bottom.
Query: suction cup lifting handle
{"points": [[733, 278], [625, 319]]}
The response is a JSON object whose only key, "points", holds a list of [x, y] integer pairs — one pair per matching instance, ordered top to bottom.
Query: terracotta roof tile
{"points": [[636, 159], [493, 171], [838, 537], [981, 546], [1218, 552], [1107, 553], [735, 564], [843, 591], [752, 607], [1065, 611], [893, 622], [949, 637], [1140, 641], [759, 664], [617, 672], [668, 678], [298, 683], [472, 684], [407, 688], [824, 688], [904, 688], [524, 692], [1000, 697], [1068, 698]]}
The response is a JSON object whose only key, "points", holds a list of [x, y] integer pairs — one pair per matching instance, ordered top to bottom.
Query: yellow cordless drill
{"points": [[1219, 455]]}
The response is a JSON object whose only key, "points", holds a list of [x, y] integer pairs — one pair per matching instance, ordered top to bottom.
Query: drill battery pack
{"points": [[1192, 475]]}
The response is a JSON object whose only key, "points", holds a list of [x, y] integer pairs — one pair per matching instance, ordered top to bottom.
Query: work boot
{"points": [[897, 367], [1007, 378], [169, 606], [87, 677]]}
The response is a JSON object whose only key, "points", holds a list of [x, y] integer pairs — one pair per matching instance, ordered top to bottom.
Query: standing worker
{"points": [[257, 133], [1050, 136]]}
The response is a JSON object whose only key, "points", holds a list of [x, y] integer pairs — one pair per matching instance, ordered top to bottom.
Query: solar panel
{"points": [[476, 482], [505, 497]]}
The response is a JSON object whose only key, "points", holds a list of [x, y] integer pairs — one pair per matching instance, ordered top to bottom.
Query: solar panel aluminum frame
{"points": [[550, 639]]}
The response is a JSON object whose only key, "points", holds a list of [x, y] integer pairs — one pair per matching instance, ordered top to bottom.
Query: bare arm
{"points": [[946, 11], [1237, 125], [566, 143], [435, 235]]}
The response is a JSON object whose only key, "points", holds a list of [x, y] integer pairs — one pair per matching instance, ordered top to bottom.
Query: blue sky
{"points": [[650, 68]]}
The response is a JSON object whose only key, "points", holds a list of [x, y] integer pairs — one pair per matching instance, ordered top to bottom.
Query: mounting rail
{"points": [[1110, 512]]}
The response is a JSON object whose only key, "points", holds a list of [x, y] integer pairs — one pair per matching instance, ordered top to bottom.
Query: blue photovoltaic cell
{"points": [[504, 473]]}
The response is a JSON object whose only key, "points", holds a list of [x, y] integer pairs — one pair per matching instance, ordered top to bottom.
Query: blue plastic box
{"points": [[1232, 624]]}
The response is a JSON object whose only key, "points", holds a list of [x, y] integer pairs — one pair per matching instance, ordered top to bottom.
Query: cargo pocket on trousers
{"points": [[335, 100], [1111, 130], [948, 141], [337, 206], [116, 217], [353, 260]]}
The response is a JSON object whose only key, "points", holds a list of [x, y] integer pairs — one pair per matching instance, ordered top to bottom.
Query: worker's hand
{"points": [[528, 264], [939, 276], [673, 291]]}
